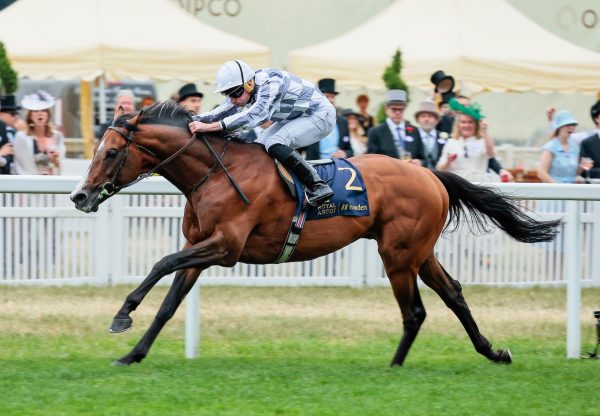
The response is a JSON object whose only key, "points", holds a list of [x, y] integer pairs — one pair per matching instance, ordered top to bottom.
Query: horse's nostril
{"points": [[79, 197]]}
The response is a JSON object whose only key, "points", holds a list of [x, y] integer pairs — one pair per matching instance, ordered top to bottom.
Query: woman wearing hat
{"points": [[356, 131], [39, 149], [468, 151], [560, 156]]}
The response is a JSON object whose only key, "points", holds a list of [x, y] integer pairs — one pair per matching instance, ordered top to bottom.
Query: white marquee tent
{"points": [[118, 39], [488, 45]]}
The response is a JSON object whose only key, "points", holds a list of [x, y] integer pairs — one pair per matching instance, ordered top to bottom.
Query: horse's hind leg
{"points": [[433, 275], [182, 283], [404, 285]]}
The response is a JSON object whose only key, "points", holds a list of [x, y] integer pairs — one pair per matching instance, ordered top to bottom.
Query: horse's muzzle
{"points": [[85, 201]]}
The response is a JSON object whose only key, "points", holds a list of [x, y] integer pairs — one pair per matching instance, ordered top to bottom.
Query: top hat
{"points": [[443, 83], [327, 85], [188, 90], [396, 97], [39, 100], [8, 103], [427, 107], [595, 110], [561, 119]]}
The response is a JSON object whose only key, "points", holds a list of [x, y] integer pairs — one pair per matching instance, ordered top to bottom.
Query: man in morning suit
{"points": [[396, 137]]}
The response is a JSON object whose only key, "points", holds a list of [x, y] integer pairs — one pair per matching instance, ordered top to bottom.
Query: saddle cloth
{"points": [[345, 180], [350, 198]]}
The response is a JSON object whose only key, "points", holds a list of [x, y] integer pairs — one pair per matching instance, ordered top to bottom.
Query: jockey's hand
{"points": [[200, 127], [339, 154]]}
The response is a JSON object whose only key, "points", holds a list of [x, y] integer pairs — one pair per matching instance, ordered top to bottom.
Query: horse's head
{"points": [[117, 162]]}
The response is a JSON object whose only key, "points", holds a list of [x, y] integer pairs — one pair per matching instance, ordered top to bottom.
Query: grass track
{"points": [[300, 351]]}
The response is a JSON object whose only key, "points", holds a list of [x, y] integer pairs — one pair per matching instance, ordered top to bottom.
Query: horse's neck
{"points": [[191, 166]]}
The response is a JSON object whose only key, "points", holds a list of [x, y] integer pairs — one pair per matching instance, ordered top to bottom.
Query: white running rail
{"points": [[44, 240]]}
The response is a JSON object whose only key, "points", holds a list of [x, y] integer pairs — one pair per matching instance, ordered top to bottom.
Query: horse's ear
{"points": [[119, 112], [139, 117]]}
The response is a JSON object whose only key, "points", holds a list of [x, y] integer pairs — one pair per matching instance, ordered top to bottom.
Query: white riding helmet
{"points": [[232, 74]]}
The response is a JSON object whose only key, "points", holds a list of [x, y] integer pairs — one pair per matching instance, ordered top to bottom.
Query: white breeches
{"points": [[300, 132]]}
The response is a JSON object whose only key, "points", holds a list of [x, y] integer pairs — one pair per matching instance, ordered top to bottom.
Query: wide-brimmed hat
{"points": [[443, 83], [327, 85], [188, 90], [396, 97], [39, 100], [8, 103], [427, 107], [350, 112], [563, 118]]}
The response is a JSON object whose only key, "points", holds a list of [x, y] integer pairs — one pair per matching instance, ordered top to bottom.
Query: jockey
{"points": [[300, 113]]}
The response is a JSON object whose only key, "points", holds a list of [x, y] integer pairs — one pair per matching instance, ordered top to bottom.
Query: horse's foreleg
{"points": [[205, 253], [433, 275], [183, 282], [407, 295]]}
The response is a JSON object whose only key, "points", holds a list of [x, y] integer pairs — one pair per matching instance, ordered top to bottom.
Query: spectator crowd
{"points": [[448, 132]]}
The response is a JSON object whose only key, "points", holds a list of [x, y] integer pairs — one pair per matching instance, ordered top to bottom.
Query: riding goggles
{"points": [[235, 92]]}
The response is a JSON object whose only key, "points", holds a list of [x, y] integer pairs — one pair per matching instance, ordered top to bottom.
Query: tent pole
{"points": [[102, 98], [87, 118]]}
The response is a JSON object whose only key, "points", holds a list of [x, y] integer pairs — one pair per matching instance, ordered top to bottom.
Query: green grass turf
{"points": [[58, 362]]}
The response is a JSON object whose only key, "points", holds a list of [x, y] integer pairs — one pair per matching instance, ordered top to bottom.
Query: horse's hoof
{"points": [[120, 325], [504, 356], [119, 363]]}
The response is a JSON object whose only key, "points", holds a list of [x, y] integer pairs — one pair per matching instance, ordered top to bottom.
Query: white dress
{"points": [[471, 159], [26, 162]]}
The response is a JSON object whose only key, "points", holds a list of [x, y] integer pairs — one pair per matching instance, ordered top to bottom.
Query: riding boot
{"points": [[317, 189]]}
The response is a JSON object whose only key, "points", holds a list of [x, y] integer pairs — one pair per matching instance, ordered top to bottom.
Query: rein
{"points": [[109, 188]]}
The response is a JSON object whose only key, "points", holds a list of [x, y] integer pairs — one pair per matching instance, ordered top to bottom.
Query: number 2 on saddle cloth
{"points": [[350, 199]]}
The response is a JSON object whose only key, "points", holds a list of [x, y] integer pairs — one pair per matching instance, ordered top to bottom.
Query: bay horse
{"points": [[409, 209]]}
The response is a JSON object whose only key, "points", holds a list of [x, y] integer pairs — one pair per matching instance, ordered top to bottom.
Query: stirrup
{"points": [[317, 196]]}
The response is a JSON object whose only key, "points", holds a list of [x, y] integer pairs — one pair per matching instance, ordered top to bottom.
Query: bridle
{"points": [[109, 188]]}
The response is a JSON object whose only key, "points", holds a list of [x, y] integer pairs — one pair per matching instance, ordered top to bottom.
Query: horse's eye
{"points": [[111, 153]]}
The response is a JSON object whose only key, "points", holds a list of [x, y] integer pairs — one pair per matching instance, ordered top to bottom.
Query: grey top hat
{"points": [[396, 97], [427, 106]]}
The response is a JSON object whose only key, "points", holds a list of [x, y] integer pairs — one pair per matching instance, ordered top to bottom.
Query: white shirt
{"points": [[394, 129], [428, 140]]}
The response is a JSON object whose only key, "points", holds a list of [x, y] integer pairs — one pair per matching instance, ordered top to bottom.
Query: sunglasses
{"points": [[235, 92], [12, 113]]}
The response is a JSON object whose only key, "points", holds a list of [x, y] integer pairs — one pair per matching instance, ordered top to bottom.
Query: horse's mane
{"points": [[166, 113]]}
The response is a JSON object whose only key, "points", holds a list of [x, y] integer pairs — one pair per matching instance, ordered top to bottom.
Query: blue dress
{"points": [[564, 162]]}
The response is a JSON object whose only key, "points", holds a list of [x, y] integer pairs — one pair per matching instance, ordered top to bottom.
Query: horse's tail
{"points": [[486, 205]]}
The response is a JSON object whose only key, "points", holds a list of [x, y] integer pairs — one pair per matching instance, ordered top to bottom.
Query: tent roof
{"points": [[123, 38], [488, 45]]}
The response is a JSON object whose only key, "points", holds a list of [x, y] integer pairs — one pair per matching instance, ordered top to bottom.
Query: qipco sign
{"points": [[217, 8]]}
